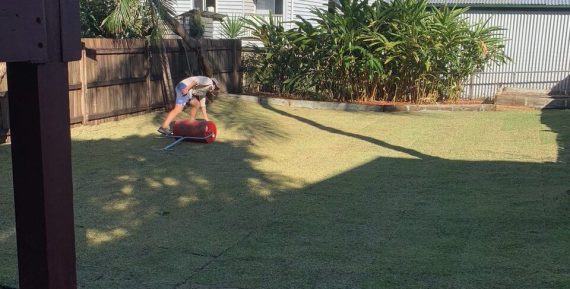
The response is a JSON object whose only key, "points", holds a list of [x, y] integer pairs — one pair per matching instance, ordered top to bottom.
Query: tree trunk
{"points": [[192, 43]]}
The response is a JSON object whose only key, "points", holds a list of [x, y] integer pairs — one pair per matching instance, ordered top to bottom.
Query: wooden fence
{"points": [[115, 78], [4, 123]]}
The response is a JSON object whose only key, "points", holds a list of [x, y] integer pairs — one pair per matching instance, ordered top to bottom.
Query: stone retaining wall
{"points": [[537, 99], [359, 107]]}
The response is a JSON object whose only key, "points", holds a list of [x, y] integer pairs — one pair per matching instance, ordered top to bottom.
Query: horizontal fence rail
{"points": [[115, 78]]}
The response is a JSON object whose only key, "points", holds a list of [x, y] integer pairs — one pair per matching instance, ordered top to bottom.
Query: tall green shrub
{"points": [[397, 50], [276, 61]]}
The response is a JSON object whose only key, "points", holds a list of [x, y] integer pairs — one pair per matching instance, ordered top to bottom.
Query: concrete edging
{"points": [[358, 107]]}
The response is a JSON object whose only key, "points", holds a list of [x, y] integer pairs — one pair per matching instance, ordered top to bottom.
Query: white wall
{"points": [[182, 6], [249, 6], [229, 7], [303, 8], [291, 10]]}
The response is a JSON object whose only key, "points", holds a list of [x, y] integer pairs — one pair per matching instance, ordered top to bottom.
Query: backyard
{"points": [[300, 198]]}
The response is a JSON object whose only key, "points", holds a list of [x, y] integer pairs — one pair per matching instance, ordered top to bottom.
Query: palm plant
{"points": [[154, 16], [233, 28]]}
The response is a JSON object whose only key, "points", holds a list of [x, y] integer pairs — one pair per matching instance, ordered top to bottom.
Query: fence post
{"points": [[236, 52], [148, 76], [83, 78], [167, 80], [471, 86]]}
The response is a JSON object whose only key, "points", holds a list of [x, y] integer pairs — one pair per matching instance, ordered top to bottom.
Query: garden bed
{"points": [[381, 106]]}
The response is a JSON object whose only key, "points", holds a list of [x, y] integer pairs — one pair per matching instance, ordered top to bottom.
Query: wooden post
{"points": [[43, 37], [148, 68], [83, 77], [236, 79], [168, 91], [43, 190]]}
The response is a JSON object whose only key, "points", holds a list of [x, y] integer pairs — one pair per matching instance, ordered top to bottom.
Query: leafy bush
{"points": [[92, 13], [196, 27], [398, 50], [275, 64]]}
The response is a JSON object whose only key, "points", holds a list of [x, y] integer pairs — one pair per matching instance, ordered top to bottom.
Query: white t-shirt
{"points": [[203, 85]]}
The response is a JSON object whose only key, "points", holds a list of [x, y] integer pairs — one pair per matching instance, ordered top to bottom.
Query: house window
{"points": [[199, 4], [205, 5], [211, 5], [269, 6], [279, 7]]}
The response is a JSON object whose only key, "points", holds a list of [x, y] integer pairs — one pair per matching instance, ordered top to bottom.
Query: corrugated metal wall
{"points": [[539, 45]]}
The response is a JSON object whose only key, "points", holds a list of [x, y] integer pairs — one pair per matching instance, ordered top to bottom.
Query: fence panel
{"points": [[116, 73], [117, 77], [75, 84], [4, 117]]}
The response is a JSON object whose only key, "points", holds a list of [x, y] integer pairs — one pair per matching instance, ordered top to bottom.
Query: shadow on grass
{"points": [[235, 115], [557, 122], [352, 135], [217, 221]]}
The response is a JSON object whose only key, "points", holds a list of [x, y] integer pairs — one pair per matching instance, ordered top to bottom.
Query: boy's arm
{"points": [[189, 87]]}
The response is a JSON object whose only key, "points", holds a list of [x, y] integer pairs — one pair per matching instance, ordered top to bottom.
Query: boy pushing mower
{"points": [[193, 90]]}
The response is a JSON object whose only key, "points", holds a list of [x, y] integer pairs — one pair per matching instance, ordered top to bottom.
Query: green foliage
{"points": [[92, 13], [137, 19], [196, 27], [233, 28], [398, 50], [275, 64]]}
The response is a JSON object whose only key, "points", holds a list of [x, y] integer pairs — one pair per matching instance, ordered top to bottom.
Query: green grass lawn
{"points": [[299, 198]]}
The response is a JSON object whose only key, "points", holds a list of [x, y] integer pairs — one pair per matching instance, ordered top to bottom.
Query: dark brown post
{"points": [[37, 39], [43, 191]]}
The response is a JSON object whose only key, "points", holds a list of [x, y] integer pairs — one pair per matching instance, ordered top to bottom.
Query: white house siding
{"points": [[183, 6], [249, 6], [229, 7], [303, 8], [288, 13], [208, 27], [539, 45]]}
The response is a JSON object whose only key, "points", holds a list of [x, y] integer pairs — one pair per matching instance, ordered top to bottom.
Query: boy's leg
{"points": [[181, 101], [194, 104], [171, 115]]}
